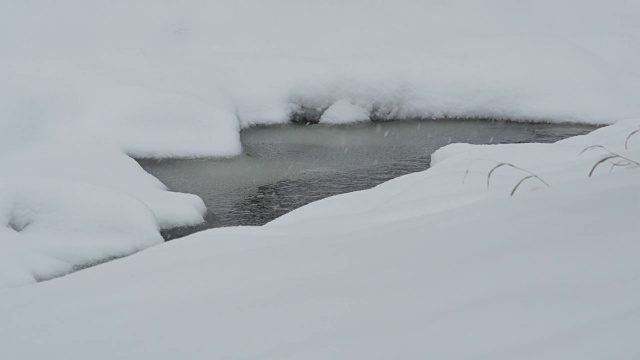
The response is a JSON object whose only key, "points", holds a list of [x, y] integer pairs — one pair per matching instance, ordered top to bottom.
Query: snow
{"points": [[181, 79], [86, 84], [343, 112], [458, 176], [80, 207], [46, 226], [432, 264]]}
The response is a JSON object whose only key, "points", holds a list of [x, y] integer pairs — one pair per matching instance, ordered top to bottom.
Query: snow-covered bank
{"points": [[181, 78], [84, 82], [459, 175], [62, 207], [428, 265]]}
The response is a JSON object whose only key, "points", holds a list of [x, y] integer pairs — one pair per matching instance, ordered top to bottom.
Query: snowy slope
{"points": [[180, 78], [82, 83], [423, 266]]}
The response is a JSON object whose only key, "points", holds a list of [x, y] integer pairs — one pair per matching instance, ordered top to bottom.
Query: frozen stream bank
{"points": [[287, 166]]}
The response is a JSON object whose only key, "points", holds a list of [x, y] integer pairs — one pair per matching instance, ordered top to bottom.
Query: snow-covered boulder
{"points": [[343, 112], [49, 227]]}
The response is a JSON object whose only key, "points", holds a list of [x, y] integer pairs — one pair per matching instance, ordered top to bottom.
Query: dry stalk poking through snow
{"points": [[626, 141], [610, 156], [515, 188]]}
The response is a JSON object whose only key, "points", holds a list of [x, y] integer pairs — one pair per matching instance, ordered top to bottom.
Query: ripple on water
{"points": [[288, 166]]}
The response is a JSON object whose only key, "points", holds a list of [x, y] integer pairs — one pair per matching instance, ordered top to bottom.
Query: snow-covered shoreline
{"points": [[86, 83], [166, 83], [525, 251], [430, 264]]}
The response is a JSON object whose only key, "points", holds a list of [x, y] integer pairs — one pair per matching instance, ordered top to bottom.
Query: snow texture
{"points": [[85, 83], [342, 112], [61, 207], [429, 265]]}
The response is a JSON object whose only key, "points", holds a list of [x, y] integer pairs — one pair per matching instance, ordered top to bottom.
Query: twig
{"points": [[626, 141], [611, 155], [513, 166], [523, 180]]}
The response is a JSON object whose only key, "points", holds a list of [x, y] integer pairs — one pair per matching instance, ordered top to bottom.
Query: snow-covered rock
{"points": [[343, 112], [71, 205], [48, 227]]}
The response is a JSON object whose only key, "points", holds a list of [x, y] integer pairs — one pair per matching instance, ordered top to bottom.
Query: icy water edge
{"points": [[287, 166]]}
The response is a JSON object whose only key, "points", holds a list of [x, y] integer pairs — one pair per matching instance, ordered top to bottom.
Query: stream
{"points": [[290, 165]]}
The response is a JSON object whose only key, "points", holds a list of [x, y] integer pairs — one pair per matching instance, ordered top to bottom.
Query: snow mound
{"points": [[343, 112], [66, 207], [48, 227], [432, 264]]}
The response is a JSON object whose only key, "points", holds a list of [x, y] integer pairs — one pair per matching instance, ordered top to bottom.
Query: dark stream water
{"points": [[288, 166]]}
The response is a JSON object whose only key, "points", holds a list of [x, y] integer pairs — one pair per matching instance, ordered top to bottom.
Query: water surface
{"points": [[287, 166]]}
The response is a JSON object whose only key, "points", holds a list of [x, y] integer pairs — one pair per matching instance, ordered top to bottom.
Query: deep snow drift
{"points": [[180, 78], [96, 80], [429, 265]]}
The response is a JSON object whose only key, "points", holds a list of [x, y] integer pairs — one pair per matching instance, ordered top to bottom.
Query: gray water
{"points": [[287, 166]]}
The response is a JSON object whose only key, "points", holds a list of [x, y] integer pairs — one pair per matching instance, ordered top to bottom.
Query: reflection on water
{"points": [[287, 166]]}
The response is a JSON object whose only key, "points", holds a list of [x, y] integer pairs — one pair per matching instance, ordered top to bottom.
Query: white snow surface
{"points": [[180, 78], [83, 84], [343, 112], [62, 207], [429, 265]]}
